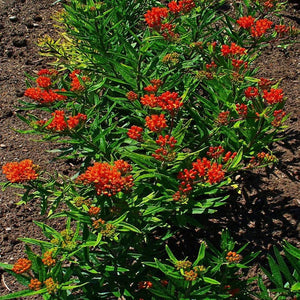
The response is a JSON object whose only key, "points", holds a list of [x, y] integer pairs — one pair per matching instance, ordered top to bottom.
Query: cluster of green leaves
{"points": [[111, 45]]}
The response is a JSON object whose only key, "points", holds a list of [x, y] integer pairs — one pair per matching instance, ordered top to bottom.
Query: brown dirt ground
{"points": [[264, 214]]}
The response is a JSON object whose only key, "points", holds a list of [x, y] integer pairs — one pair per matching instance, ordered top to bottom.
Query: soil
{"points": [[265, 213]]}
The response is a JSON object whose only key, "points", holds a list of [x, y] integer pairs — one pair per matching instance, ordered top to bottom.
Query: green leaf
{"points": [[128, 227], [201, 254], [171, 255], [210, 280], [295, 287], [23, 293]]}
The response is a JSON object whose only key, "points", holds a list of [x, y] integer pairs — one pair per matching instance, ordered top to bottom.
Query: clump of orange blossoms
{"points": [[156, 122], [18, 172], [107, 179], [233, 257], [21, 266], [34, 284]]}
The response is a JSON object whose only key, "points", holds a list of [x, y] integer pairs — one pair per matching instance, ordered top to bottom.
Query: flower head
{"points": [[155, 16], [246, 22], [274, 96], [156, 122], [135, 133], [20, 171], [21, 266], [34, 284]]}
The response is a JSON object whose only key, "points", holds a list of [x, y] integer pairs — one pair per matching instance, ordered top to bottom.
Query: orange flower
{"points": [[154, 16], [246, 22], [260, 27], [234, 49], [43, 82], [251, 92], [132, 96], [274, 96], [150, 100], [169, 101], [242, 109], [156, 122], [135, 133], [215, 152], [20, 172], [106, 178], [94, 211], [233, 257], [22, 266], [34, 284]]}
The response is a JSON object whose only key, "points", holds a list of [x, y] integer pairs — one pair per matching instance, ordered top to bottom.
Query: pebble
{"points": [[13, 18], [3, 146]]}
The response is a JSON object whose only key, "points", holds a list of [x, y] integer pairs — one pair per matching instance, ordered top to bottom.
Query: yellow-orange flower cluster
{"points": [[20, 171], [107, 179], [233, 257], [48, 260], [21, 266], [51, 285]]}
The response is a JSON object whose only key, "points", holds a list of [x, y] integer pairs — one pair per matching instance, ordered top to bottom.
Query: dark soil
{"points": [[264, 214]]}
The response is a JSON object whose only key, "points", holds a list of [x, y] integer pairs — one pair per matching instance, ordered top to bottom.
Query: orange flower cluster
{"points": [[183, 6], [155, 16], [246, 22], [260, 27], [234, 49], [238, 63], [211, 65], [43, 82], [76, 86], [251, 92], [42, 93], [45, 96], [132, 96], [273, 96], [166, 101], [242, 109], [278, 116], [223, 118], [156, 122], [61, 123], [135, 133], [215, 152], [165, 153], [229, 156], [202, 171], [18, 172], [107, 179], [94, 210], [98, 223], [233, 257], [48, 260], [21, 266], [190, 275], [34, 284], [51, 285], [145, 285]]}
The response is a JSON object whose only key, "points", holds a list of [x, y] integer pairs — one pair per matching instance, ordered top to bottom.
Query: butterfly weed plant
{"points": [[159, 105]]}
